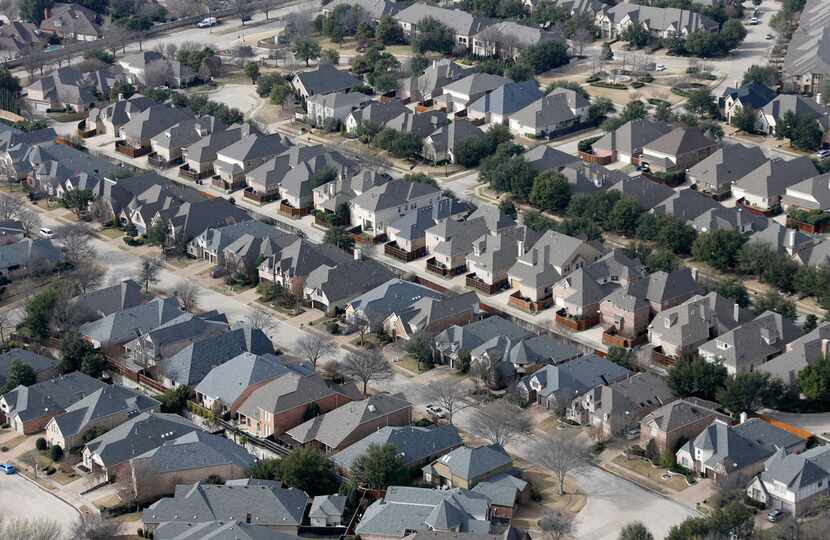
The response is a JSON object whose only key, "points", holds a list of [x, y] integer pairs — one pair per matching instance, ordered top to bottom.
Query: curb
{"points": [[43, 489]]}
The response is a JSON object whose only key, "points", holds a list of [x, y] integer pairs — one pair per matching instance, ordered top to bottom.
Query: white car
{"points": [[754, 20], [207, 22], [769, 36], [660, 67], [822, 154], [46, 232]]}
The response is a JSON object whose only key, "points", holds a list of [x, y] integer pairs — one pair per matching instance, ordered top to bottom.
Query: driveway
{"points": [[19, 498]]}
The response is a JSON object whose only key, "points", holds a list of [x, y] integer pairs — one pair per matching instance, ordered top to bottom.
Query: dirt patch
{"points": [[112, 234], [676, 482], [546, 485], [107, 502]]}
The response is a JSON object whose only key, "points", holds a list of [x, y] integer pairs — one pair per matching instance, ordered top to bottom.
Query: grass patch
{"points": [[111, 233], [181, 262], [412, 365], [655, 474], [107, 502]]}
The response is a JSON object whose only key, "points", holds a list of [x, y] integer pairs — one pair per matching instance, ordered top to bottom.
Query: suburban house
{"points": [[375, 9], [72, 22], [660, 22], [464, 25], [19, 38], [507, 39], [807, 62], [151, 68], [324, 79], [430, 84], [67, 88], [458, 95], [751, 95], [497, 106], [330, 110], [773, 112], [375, 114], [551, 115], [114, 116], [418, 123], [144, 125], [626, 142], [439, 146], [168, 147], [677, 150], [199, 157], [234, 162], [728, 164], [296, 187], [763, 187], [647, 193], [810, 194], [331, 196], [685, 205], [380, 206], [732, 219], [11, 232], [408, 235], [783, 240], [212, 244], [28, 254], [816, 254], [493, 256], [290, 267], [332, 287], [109, 300], [429, 316], [122, 326], [456, 339], [150, 348], [744, 348], [798, 354], [44, 367], [555, 387], [280, 403], [29, 408], [616, 408], [101, 410], [678, 421], [349, 423], [417, 445], [736, 453], [192, 457], [466, 466], [793, 482], [271, 507], [327, 510], [180, 530]]}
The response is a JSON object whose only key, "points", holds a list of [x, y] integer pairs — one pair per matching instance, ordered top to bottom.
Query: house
{"points": [[375, 9], [72, 22], [660, 22], [461, 23], [19, 38], [507, 39], [807, 62], [151, 68], [324, 79], [430, 84], [67, 88], [458, 95], [751, 95], [497, 106], [331, 110], [773, 112], [375, 114], [551, 115], [113, 117], [418, 123], [144, 125], [626, 142], [440, 145], [168, 146], [677, 150], [199, 157], [543, 158], [234, 162], [53, 168], [716, 173], [585, 177], [266, 179], [297, 184], [763, 187], [648, 194], [810, 194], [331, 196], [685, 205], [374, 210], [11, 232], [408, 235], [450, 240], [783, 240], [212, 244], [28, 254], [815, 254], [494, 255], [541, 266], [290, 267], [332, 287], [109, 300], [429, 316], [121, 326], [680, 330], [456, 339], [150, 348], [744, 348], [798, 354], [192, 364], [44, 367], [226, 383], [555, 387], [280, 403], [617, 408], [29, 409], [101, 410], [678, 421], [347, 424], [417, 445], [109, 454], [734, 454], [191, 457], [465, 466], [792, 483], [279, 509], [327, 510], [403, 510], [234, 530]]}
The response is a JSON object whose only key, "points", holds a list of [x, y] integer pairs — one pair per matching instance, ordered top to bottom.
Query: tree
{"points": [[34, 11], [388, 31], [731, 34], [432, 35], [636, 35], [306, 49], [330, 56], [545, 56], [252, 71], [519, 71], [765, 75], [700, 102], [634, 110], [663, 112], [744, 119], [806, 133], [551, 191], [77, 200], [624, 216], [340, 237], [77, 242], [718, 248], [148, 272], [734, 289], [188, 294], [772, 301], [38, 312], [259, 319], [810, 324], [316, 346], [420, 348], [621, 356], [366, 366], [19, 373], [693, 376], [814, 380], [746, 392], [448, 394], [174, 400], [499, 421], [55, 452], [561, 454], [379, 467], [265, 469], [308, 470], [555, 525], [90, 526], [30, 529], [635, 531]]}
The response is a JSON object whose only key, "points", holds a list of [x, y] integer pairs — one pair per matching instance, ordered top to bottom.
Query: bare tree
{"points": [[11, 8], [184, 8], [582, 37], [158, 73], [9, 206], [100, 211], [29, 221], [76, 240], [148, 272], [87, 276], [188, 294], [260, 319], [6, 325], [316, 346], [367, 366], [448, 394], [499, 421], [561, 454], [555, 525], [91, 526], [30, 529]]}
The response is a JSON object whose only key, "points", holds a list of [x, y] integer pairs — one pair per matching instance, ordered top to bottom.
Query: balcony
{"points": [[131, 151], [393, 250], [475, 282], [527, 305]]}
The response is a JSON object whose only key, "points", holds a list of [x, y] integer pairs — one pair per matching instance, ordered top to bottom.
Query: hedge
{"points": [[613, 86], [585, 145]]}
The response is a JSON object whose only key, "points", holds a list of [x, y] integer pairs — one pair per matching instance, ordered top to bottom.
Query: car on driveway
{"points": [[754, 20], [768, 36], [660, 67], [822, 154], [436, 411], [7, 468], [775, 516]]}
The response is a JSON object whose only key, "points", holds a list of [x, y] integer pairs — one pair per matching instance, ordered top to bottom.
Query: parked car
{"points": [[754, 20], [207, 22], [768, 36], [660, 67], [823, 153], [47, 233], [436, 411], [8, 468], [775, 516]]}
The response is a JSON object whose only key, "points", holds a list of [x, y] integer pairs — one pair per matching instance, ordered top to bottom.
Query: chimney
{"points": [[46, 13], [737, 83], [791, 239], [520, 245], [477, 248], [358, 255], [535, 256], [546, 257], [694, 274], [736, 312], [744, 417]]}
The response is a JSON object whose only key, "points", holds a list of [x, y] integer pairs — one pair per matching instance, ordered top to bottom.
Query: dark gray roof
{"points": [[458, 21], [326, 79], [751, 94], [507, 98], [798, 105], [631, 136], [680, 141], [543, 158], [727, 165], [772, 178], [392, 194], [685, 205], [733, 219], [218, 238], [781, 239], [27, 251], [301, 257], [345, 281], [392, 296], [111, 299], [121, 326], [466, 338], [755, 340], [542, 349], [37, 362], [576, 377], [229, 380], [291, 389], [50, 397], [104, 402], [681, 413], [416, 444], [735, 447], [193, 450], [470, 463], [797, 471], [328, 506], [217, 530]]}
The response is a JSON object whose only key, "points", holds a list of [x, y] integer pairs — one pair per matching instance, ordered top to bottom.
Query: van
{"points": [[46, 232]]}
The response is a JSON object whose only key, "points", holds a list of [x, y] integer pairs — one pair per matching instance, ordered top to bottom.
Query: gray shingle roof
{"points": [[374, 8], [662, 19], [458, 21], [326, 79], [475, 84], [507, 98], [547, 111], [632, 136], [679, 141], [543, 158], [727, 165], [773, 177], [812, 193], [392, 194], [781, 239], [28, 251], [344, 281], [391, 297], [111, 299], [428, 311], [695, 320], [122, 326], [465, 338], [752, 342], [542, 349], [800, 353], [37, 362], [576, 377], [229, 380], [288, 391], [50, 397], [106, 401], [681, 413], [416, 444], [193, 450], [471, 464], [797, 471], [502, 489], [328, 506], [217, 530]]}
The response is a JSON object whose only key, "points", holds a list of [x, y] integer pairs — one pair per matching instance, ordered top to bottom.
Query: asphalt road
{"points": [[19, 498]]}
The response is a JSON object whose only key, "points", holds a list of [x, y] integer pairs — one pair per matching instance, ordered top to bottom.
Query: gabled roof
{"points": [[374, 8], [71, 19], [661, 19], [460, 22], [325, 79], [474, 84], [751, 94], [507, 98], [337, 100], [799, 105], [551, 109], [378, 113], [153, 120], [421, 124], [632, 136], [447, 138], [679, 141], [254, 146], [543, 158], [726, 165], [772, 178], [393, 194], [811, 194], [685, 205], [733, 219], [781, 239], [23, 252], [301, 257], [537, 267], [345, 281], [392, 296], [111, 299], [426, 311], [695, 320], [123, 325], [465, 338], [755, 340], [542, 349], [800, 353], [37, 362], [576, 377], [228, 381], [289, 390], [50, 397], [106, 401], [681, 413], [138, 435], [414, 443], [193, 450], [471, 464], [797, 471], [328, 506], [217, 530]]}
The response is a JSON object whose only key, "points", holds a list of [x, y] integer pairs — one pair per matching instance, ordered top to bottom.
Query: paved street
{"points": [[19, 498]]}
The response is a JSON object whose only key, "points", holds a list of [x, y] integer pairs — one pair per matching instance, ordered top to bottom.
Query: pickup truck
{"points": [[207, 22]]}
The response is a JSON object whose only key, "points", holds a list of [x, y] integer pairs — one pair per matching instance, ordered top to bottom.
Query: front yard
{"points": [[57, 471], [658, 475], [546, 486]]}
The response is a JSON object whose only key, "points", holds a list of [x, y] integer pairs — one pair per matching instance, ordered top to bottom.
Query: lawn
{"points": [[114, 234], [409, 363], [655, 474], [546, 485], [107, 502]]}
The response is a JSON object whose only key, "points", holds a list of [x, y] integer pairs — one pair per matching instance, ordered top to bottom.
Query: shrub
{"points": [[637, 84], [613, 86], [585, 145], [332, 328], [40, 444], [56, 452]]}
